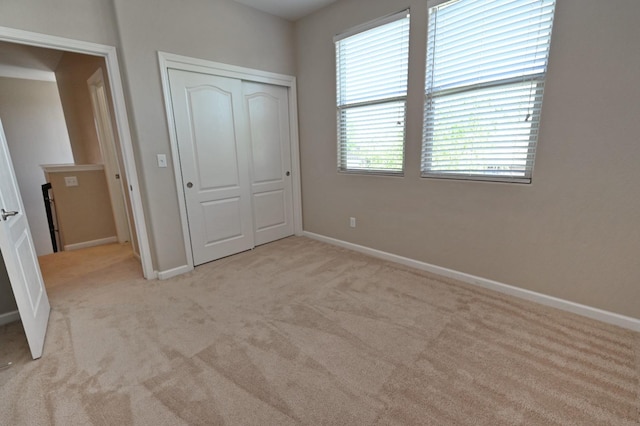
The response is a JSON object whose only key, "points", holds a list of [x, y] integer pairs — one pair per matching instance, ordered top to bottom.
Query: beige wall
{"points": [[87, 20], [218, 30], [71, 75], [36, 134], [83, 211], [573, 233], [7, 300]]}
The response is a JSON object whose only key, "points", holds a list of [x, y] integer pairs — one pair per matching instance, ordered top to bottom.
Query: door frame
{"points": [[110, 56], [168, 61]]}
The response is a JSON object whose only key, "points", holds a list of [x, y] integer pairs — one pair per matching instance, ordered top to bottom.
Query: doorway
{"points": [[120, 121], [57, 139], [14, 262]]}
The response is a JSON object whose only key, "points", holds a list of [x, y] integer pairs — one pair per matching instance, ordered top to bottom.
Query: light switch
{"points": [[162, 160], [71, 181]]}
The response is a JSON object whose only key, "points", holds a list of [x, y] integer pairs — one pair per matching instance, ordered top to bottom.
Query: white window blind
{"points": [[486, 67], [371, 68]]}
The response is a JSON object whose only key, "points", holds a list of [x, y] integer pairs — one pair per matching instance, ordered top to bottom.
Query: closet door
{"points": [[267, 112], [210, 123]]}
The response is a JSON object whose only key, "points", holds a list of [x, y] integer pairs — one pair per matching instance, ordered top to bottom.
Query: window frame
{"points": [[537, 82], [342, 107]]}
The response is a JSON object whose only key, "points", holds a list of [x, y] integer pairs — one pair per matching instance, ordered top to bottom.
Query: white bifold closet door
{"points": [[234, 148]]}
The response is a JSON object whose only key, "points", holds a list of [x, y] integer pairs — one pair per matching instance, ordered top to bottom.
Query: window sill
{"points": [[478, 178]]}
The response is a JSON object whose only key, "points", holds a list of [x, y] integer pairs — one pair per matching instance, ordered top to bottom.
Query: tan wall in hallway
{"points": [[71, 75], [83, 211]]}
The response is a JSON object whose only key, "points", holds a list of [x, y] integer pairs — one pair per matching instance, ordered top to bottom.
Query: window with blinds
{"points": [[486, 67], [371, 68]]}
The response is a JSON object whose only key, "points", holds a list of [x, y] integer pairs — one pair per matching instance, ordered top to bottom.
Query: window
{"points": [[486, 67], [371, 68]]}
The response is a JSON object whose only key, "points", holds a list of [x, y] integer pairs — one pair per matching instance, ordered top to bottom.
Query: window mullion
{"points": [[485, 85]]}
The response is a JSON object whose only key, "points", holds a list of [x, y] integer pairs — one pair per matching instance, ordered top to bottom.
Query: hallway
{"points": [[65, 272]]}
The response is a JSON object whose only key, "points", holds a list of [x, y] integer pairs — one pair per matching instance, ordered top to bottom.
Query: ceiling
{"points": [[287, 9]]}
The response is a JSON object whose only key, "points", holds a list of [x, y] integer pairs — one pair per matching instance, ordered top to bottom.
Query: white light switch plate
{"points": [[162, 160], [71, 181]]}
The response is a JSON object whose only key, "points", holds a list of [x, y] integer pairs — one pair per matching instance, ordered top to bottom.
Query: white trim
{"points": [[372, 24], [168, 61], [186, 63], [12, 71], [122, 120], [295, 158], [64, 168], [92, 243], [174, 272], [543, 299], [9, 317]]}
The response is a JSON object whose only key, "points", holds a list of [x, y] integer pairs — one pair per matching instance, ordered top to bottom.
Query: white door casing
{"points": [[267, 112], [210, 128], [107, 142], [20, 256]]}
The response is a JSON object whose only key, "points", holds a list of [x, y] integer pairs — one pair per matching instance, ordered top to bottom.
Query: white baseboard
{"points": [[93, 243], [170, 273], [543, 299], [9, 317]]}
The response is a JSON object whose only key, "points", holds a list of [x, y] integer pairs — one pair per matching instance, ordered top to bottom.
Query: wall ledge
{"points": [[64, 168], [543, 299]]}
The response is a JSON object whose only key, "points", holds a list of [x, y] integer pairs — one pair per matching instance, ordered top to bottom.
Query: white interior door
{"points": [[267, 111], [210, 129], [107, 141], [20, 257]]}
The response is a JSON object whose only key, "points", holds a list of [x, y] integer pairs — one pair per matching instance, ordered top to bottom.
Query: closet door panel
{"points": [[267, 111], [211, 132]]}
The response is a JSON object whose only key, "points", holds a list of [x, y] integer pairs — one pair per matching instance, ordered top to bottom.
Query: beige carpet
{"points": [[300, 332]]}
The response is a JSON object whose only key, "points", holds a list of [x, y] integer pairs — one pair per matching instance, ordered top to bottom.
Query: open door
{"points": [[106, 139], [20, 257]]}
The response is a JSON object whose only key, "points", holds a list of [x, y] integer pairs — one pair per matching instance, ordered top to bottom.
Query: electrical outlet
{"points": [[71, 181], [352, 222]]}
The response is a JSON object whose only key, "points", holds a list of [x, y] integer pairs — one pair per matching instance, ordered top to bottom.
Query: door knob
{"points": [[288, 173], [189, 185], [7, 214]]}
